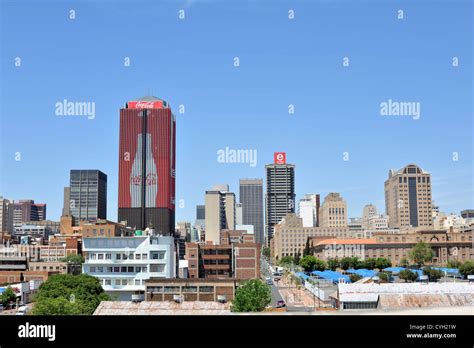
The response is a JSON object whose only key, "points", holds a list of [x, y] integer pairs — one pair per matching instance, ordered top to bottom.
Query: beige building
{"points": [[408, 198], [333, 211], [219, 213], [290, 237], [446, 246]]}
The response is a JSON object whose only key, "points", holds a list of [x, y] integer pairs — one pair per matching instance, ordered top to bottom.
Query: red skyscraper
{"points": [[147, 165]]}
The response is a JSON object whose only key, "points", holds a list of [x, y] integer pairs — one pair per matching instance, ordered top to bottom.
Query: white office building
{"points": [[308, 210], [123, 264]]}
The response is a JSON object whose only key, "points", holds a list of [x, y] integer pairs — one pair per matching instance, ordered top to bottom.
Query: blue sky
{"points": [[282, 62]]}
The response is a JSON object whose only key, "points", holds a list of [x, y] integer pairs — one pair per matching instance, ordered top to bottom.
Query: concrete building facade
{"points": [[408, 201], [333, 211]]}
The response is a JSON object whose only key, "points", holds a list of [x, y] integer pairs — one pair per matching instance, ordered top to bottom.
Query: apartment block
{"points": [[237, 256], [123, 264]]}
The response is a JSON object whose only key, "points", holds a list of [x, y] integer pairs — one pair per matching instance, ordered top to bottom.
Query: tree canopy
{"points": [[421, 253], [74, 259], [311, 263], [467, 268], [408, 275], [64, 294], [8, 295], [252, 296]]}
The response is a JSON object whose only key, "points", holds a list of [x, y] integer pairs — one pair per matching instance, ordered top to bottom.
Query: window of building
{"points": [[100, 256], [108, 256], [118, 256], [138, 256], [144, 256], [157, 268], [92, 269], [100, 269], [116, 269], [123, 269], [130, 269], [117, 281], [108, 282], [137, 282]]}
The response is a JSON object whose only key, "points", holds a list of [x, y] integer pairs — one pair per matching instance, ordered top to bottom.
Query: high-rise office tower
{"points": [[147, 158], [88, 195], [280, 196], [251, 197], [408, 198], [27, 210], [309, 210], [333, 211], [200, 212], [219, 213], [6, 215]]}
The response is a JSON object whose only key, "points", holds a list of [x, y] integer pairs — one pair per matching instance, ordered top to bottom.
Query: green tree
{"points": [[266, 252], [421, 253], [74, 259], [287, 261], [404, 262], [310, 263], [345, 263], [355, 263], [368, 263], [381, 263], [333, 264], [454, 264], [467, 268], [433, 274], [408, 275], [384, 276], [355, 277], [82, 292], [7, 296], [252, 296]]}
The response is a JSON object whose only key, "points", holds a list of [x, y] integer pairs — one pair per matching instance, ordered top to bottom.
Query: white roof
{"points": [[407, 288]]}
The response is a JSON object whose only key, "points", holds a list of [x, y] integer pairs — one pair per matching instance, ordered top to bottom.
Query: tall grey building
{"points": [[88, 195], [280, 196], [251, 197]]}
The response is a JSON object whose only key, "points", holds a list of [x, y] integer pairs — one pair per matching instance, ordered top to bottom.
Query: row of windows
{"points": [[154, 255], [126, 269], [122, 282]]}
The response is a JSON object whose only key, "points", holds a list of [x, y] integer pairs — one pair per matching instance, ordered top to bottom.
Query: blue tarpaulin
{"points": [[447, 270], [362, 272], [331, 275]]}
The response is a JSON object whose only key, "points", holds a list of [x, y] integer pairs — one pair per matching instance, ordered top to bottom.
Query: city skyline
{"points": [[341, 119]]}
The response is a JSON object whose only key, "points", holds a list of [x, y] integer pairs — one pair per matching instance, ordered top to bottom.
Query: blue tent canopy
{"points": [[394, 269], [447, 270], [363, 272], [302, 275], [332, 275]]}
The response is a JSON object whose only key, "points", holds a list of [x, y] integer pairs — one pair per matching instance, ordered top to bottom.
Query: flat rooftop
{"points": [[162, 308]]}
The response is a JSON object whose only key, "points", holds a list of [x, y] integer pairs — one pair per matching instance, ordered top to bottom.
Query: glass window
{"points": [[100, 256], [108, 256], [118, 256], [138, 256], [144, 256], [92, 269], [108, 282]]}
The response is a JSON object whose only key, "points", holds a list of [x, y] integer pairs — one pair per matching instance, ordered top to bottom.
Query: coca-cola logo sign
{"points": [[145, 105], [151, 179]]}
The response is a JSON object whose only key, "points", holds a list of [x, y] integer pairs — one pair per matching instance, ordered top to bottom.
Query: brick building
{"points": [[237, 256]]}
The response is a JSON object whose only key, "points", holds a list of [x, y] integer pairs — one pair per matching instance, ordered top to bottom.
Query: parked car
{"points": [[269, 281], [280, 304], [23, 310]]}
